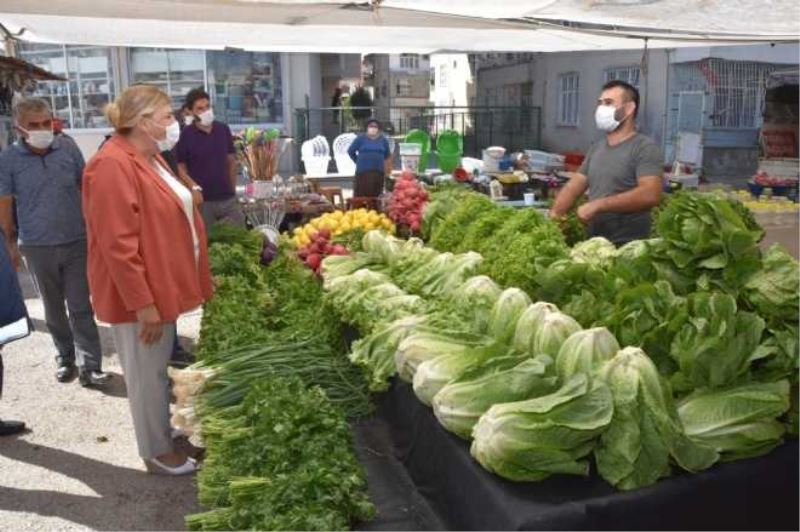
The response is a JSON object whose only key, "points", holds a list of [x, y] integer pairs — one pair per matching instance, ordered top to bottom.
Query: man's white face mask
{"points": [[206, 117], [605, 118], [41, 139]]}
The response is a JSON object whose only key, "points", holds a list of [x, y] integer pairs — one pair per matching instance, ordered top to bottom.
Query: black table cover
{"points": [[755, 494]]}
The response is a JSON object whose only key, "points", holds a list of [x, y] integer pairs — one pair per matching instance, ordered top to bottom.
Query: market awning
{"points": [[721, 19], [389, 26], [23, 69]]}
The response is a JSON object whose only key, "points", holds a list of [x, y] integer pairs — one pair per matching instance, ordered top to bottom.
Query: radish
{"points": [[324, 233], [339, 250], [314, 261]]}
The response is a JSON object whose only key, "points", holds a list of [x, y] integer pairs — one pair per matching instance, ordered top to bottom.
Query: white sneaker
{"points": [[155, 466]]}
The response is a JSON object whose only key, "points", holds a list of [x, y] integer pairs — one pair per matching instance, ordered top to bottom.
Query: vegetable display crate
{"points": [[790, 191], [755, 494]]}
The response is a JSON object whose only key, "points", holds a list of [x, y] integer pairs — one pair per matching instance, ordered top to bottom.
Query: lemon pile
{"points": [[775, 204], [341, 222]]}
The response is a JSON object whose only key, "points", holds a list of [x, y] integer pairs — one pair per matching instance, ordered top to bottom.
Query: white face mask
{"points": [[206, 117], [605, 118], [188, 120], [372, 131], [173, 134], [39, 139]]}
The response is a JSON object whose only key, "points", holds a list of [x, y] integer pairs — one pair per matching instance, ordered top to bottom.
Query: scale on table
{"points": [[266, 216]]}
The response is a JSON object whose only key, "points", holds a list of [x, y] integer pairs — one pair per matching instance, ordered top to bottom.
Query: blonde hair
{"points": [[135, 103]]}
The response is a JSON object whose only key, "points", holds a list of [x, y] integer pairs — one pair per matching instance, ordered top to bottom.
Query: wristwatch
{"points": [[197, 188]]}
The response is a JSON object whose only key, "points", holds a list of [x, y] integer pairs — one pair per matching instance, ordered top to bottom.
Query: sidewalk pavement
{"points": [[78, 467]]}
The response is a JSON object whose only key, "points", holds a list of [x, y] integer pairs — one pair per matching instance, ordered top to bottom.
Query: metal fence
{"points": [[513, 127]]}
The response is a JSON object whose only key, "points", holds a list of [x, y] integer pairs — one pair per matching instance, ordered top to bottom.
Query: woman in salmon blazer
{"points": [[147, 260]]}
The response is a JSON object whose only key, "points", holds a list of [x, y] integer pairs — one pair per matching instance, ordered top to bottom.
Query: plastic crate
{"points": [[789, 191]]}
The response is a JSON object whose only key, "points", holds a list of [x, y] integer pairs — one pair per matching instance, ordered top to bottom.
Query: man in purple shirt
{"points": [[207, 161]]}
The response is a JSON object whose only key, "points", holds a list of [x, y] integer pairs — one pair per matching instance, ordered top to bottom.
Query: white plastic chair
{"points": [[316, 155], [344, 164]]}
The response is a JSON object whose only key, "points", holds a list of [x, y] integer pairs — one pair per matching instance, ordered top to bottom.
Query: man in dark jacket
{"points": [[12, 311]]}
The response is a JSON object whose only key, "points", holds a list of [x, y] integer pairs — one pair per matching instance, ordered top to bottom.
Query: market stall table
{"points": [[332, 180], [300, 211], [755, 494]]}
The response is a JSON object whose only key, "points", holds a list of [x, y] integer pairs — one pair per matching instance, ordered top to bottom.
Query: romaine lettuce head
{"points": [[381, 246], [335, 266], [462, 267], [774, 292], [474, 300], [506, 312], [528, 326], [553, 331], [717, 345], [418, 347], [585, 351], [375, 352], [433, 374], [459, 404], [739, 422], [644, 431], [532, 439]]}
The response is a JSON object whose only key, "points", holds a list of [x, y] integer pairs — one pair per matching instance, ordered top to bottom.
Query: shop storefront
{"points": [[245, 87]]}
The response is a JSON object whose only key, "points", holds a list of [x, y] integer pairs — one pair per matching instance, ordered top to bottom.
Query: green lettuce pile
{"points": [[671, 353]]}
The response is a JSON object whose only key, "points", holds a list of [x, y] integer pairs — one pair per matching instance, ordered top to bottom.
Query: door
{"points": [[691, 114]]}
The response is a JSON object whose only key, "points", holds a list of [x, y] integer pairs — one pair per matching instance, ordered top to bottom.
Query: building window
{"points": [[409, 61], [176, 72], [628, 74], [443, 76], [433, 77], [245, 87], [403, 87], [737, 90], [526, 94], [510, 95], [568, 99], [80, 101]]}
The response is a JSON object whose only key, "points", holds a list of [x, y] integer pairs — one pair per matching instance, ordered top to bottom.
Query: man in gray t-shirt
{"points": [[623, 173]]}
